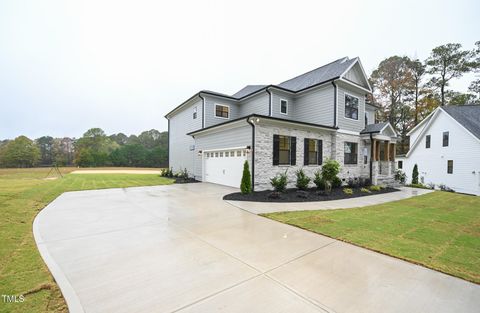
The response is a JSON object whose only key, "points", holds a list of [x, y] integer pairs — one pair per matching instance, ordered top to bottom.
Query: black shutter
{"points": [[276, 147], [293, 150], [305, 151], [320, 152]]}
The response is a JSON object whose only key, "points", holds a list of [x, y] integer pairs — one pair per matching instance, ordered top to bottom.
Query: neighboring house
{"points": [[296, 124], [446, 148]]}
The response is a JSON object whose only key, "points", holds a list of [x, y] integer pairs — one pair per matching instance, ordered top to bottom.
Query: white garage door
{"points": [[225, 167]]}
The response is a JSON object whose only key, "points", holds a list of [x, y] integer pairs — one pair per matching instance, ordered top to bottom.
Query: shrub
{"points": [[330, 170], [164, 172], [184, 174], [415, 175], [400, 176], [302, 180], [318, 180], [279, 182], [336, 182], [246, 183], [418, 186], [444, 187], [375, 188], [365, 190], [348, 191]]}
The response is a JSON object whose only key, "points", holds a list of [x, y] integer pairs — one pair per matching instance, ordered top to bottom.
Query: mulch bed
{"points": [[179, 180], [295, 195]]}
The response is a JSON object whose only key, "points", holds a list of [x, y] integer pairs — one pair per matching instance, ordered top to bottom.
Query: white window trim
{"points": [[281, 106], [345, 106], [221, 117]]}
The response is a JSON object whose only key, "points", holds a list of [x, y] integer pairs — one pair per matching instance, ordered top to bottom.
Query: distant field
{"points": [[23, 193]]}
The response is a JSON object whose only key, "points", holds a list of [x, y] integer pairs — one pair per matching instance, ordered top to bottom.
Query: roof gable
{"points": [[356, 75], [466, 115]]}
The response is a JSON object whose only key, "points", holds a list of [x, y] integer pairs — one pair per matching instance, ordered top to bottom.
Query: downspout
{"points": [[269, 102], [334, 104], [203, 109], [168, 144], [253, 152], [371, 158]]}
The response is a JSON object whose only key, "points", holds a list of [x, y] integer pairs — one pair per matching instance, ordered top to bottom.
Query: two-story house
{"points": [[296, 124], [446, 148]]}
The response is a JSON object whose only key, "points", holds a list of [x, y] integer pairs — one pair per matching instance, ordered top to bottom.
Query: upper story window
{"points": [[283, 106], [351, 107], [222, 111], [194, 112], [366, 118], [445, 139], [427, 141], [284, 150], [312, 152], [350, 153]]}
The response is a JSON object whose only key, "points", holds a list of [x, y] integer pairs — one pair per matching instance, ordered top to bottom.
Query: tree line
{"points": [[408, 89], [94, 148]]}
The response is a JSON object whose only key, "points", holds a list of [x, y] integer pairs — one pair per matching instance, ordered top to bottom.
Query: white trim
{"points": [[357, 61], [354, 85], [345, 94], [336, 104], [222, 105], [281, 106], [423, 121], [391, 128], [348, 132], [478, 139], [414, 145], [225, 149]]}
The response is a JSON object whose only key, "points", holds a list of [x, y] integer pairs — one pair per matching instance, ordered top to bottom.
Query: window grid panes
{"points": [[283, 106], [351, 107], [221, 111], [445, 139], [284, 150], [312, 151], [350, 153]]}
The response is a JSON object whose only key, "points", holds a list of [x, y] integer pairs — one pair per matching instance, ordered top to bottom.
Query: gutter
{"points": [[269, 101], [334, 103], [203, 109], [168, 144], [253, 152], [371, 158]]}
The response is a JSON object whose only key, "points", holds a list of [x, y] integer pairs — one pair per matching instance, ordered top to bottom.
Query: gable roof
{"points": [[329, 72], [324, 73], [467, 115], [378, 128]]}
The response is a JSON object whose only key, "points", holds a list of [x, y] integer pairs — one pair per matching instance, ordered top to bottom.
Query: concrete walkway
{"points": [[270, 207], [180, 248]]}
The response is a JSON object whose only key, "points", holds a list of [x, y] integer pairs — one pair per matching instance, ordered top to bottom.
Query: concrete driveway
{"points": [[181, 248]]}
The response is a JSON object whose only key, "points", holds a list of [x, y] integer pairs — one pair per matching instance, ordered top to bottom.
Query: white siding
{"points": [[258, 104], [316, 106], [181, 123], [348, 123], [236, 136], [463, 149]]}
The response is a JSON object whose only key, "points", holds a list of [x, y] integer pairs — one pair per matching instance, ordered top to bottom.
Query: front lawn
{"points": [[23, 193], [439, 230]]}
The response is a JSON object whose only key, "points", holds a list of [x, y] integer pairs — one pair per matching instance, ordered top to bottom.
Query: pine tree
{"points": [[415, 175], [246, 184]]}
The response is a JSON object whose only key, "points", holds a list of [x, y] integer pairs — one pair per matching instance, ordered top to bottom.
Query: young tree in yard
{"points": [[447, 62], [21, 152], [330, 170], [415, 175], [246, 184]]}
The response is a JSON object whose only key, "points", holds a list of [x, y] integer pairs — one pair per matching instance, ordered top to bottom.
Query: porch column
{"points": [[387, 148], [374, 149]]}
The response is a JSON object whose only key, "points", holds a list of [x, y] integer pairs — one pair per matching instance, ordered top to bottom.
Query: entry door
{"points": [[225, 167]]}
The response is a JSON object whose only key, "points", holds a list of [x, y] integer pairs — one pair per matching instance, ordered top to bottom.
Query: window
{"points": [[283, 106], [351, 107], [222, 111], [194, 112], [366, 118], [445, 139], [427, 141], [284, 150], [312, 152], [232, 153], [239, 153], [350, 153], [216, 154], [221, 154], [400, 164], [450, 167]]}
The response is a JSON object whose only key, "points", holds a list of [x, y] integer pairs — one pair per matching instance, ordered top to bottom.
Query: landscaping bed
{"points": [[309, 195]]}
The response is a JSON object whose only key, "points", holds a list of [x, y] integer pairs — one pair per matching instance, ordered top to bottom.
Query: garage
{"points": [[224, 167]]}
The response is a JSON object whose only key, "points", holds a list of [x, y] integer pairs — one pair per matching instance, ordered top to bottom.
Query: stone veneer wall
{"points": [[332, 148]]}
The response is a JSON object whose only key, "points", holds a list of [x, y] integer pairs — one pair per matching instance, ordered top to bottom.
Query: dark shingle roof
{"points": [[318, 75], [247, 90], [467, 115], [373, 128]]}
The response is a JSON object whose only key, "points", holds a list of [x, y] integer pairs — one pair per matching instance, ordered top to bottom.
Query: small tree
{"points": [[330, 170], [415, 175], [302, 180], [279, 182], [246, 184]]}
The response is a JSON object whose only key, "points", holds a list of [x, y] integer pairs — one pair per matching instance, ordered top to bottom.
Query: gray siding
{"points": [[355, 75], [276, 96], [258, 104], [316, 106], [210, 118], [181, 123], [347, 123], [238, 136]]}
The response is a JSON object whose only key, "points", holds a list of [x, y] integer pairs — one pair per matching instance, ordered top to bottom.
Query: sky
{"points": [[67, 66]]}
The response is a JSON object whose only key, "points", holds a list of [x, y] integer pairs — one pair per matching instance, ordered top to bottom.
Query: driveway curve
{"points": [[181, 248]]}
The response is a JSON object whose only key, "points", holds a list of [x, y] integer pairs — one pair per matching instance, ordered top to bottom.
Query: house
{"points": [[298, 123], [446, 148]]}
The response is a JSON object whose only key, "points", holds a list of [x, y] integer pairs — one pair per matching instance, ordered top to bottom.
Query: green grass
{"points": [[23, 193], [439, 230]]}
